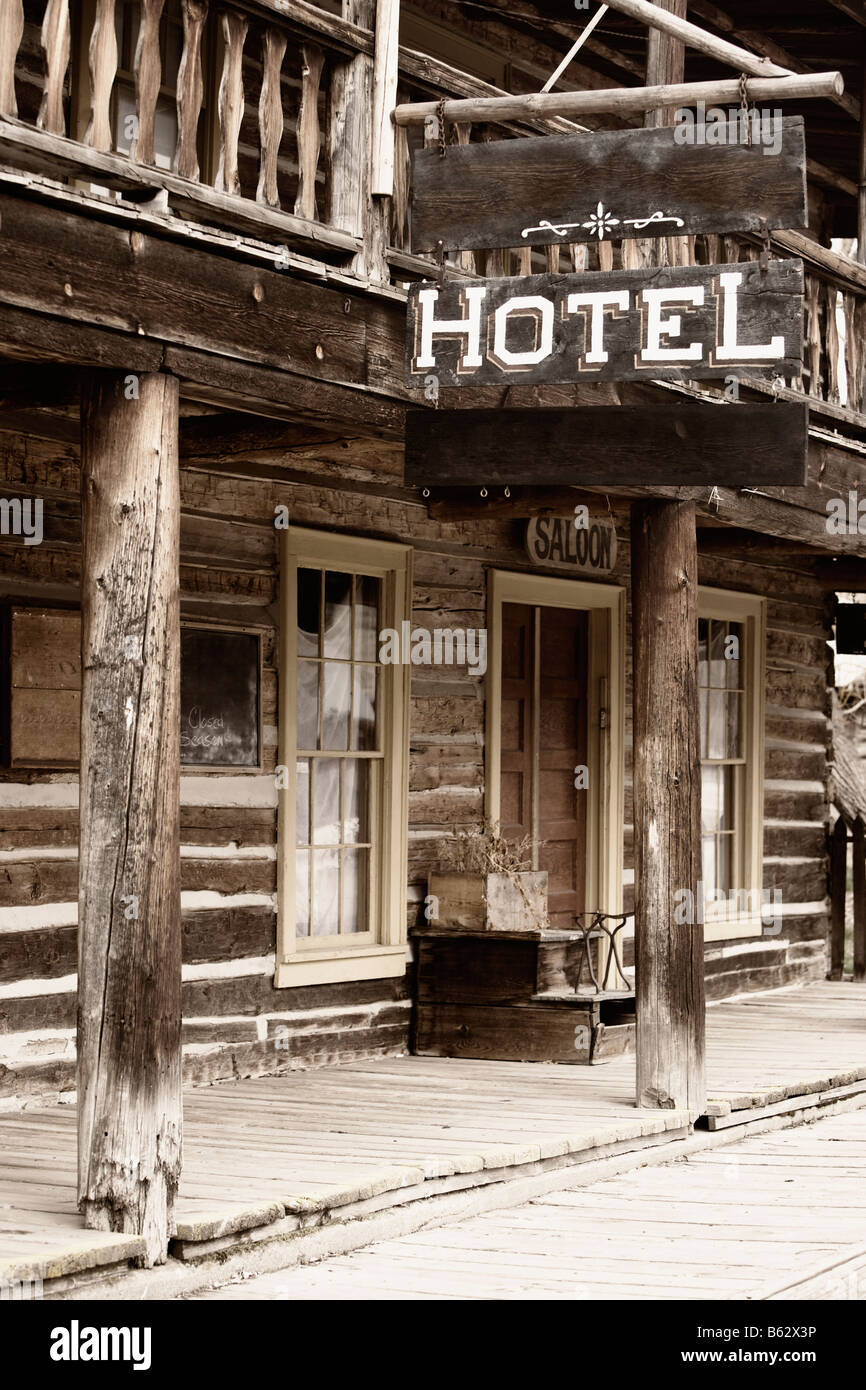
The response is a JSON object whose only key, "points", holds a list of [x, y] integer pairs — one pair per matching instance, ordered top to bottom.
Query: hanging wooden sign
{"points": [[695, 177], [678, 323], [689, 445], [564, 542]]}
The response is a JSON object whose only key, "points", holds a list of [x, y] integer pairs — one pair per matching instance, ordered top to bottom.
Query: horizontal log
{"points": [[622, 100], [743, 446]]}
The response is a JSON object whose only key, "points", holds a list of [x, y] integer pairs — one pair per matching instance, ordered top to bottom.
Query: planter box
{"points": [[492, 902]]}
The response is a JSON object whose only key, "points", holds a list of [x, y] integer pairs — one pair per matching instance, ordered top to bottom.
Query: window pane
{"points": [[367, 593], [309, 598], [338, 615], [703, 639], [734, 663], [718, 674], [704, 702], [336, 704], [308, 705], [364, 720], [734, 723], [716, 743], [711, 798], [302, 801], [326, 802], [356, 802], [727, 814], [708, 847], [725, 862], [355, 863], [302, 892], [326, 892]]}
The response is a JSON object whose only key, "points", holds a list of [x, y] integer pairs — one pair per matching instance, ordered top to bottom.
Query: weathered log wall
{"points": [[236, 1023]]}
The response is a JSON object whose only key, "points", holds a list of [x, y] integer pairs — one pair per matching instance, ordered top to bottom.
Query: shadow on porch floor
{"points": [[277, 1156]]}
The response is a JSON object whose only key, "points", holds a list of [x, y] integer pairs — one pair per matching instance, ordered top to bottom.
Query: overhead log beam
{"points": [[854, 9], [668, 22], [623, 100]]}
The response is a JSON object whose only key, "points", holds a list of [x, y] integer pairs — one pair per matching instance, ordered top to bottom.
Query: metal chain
{"points": [[744, 103], [440, 116]]}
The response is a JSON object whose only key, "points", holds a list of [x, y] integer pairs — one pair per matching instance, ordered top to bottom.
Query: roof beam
{"points": [[854, 9], [694, 37], [765, 46]]}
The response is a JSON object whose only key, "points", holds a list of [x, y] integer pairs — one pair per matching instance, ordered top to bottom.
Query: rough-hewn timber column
{"points": [[667, 807], [129, 1102]]}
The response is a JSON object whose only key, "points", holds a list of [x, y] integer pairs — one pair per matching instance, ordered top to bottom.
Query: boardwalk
{"points": [[265, 1158], [774, 1216]]}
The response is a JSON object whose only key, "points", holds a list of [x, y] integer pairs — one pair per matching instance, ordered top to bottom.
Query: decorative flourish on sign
{"points": [[600, 222]]}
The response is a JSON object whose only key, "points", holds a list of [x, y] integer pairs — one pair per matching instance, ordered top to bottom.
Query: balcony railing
{"points": [[257, 121]]}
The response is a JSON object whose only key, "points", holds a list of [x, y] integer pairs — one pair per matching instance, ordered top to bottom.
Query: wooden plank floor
{"points": [[304, 1142], [773, 1216]]}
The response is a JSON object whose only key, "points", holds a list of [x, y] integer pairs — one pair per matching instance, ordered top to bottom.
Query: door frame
{"points": [[605, 605]]}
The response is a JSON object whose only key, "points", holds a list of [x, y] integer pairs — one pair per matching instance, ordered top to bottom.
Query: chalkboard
{"points": [[220, 678]]}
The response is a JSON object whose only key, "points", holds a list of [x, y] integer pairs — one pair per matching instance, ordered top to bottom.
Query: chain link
{"points": [[744, 103], [440, 116]]}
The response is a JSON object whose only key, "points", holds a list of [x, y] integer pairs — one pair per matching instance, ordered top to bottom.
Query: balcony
{"points": [[254, 122]]}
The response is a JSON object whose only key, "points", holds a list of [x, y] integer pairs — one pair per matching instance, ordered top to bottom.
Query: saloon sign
{"points": [[678, 323], [561, 542]]}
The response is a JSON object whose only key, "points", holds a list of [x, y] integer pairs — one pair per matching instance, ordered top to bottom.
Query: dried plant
{"points": [[482, 851]]}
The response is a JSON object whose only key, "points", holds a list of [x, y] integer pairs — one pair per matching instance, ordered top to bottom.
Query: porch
{"points": [[290, 1168]]}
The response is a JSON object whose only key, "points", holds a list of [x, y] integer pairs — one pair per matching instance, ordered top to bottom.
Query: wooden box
{"points": [[489, 902]]}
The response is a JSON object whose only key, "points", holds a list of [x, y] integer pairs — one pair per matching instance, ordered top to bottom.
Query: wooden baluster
{"points": [[11, 31], [55, 43], [102, 62], [148, 75], [190, 89], [231, 100], [270, 115], [309, 131], [400, 198], [551, 255], [605, 255], [631, 256], [578, 257], [524, 260], [813, 287], [831, 339], [853, 349]]}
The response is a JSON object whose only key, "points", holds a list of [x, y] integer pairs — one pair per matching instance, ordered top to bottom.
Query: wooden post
{"points": [[385, 66], [353, 207], [858, 847], [838, 885], [669, 937], [129, 1059]]}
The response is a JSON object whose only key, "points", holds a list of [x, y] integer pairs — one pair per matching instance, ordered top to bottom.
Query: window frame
{"points": [[724, 921], [382, 953]]}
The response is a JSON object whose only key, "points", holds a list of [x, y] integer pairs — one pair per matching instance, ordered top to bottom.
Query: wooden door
{"points": [[543, 742]]}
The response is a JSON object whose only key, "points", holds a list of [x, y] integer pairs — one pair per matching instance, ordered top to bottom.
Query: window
{"points": [[730, 691], [343, 738]]}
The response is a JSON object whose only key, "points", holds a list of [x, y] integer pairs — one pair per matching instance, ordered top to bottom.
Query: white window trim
{"points": [[605, 604], [728, 605], [385, 957]]}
